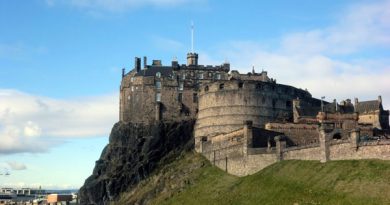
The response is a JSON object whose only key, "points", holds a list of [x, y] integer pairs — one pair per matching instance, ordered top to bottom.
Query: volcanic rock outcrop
{"points": [[133, 153]]}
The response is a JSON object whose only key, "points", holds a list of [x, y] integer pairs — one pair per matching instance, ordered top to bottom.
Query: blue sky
{"points": [[61, 61]]}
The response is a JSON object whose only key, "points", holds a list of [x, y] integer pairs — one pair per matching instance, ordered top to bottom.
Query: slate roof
{"points": [[152, 70], [368, 106], [331, 108]]}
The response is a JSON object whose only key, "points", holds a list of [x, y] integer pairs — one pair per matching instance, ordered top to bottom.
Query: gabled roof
{"points": [[368, 106]]}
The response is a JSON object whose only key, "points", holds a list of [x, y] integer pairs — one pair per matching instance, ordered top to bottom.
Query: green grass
{"points": [[287, 182]]}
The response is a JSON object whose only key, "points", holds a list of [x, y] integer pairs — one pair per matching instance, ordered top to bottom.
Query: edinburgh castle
{"points": [[245, 122]]}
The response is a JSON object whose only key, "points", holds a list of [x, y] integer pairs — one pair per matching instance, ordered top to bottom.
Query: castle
{"points": [[245, 122]]}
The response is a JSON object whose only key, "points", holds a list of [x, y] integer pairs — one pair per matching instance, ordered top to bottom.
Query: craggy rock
{"points": [[133, 153]]}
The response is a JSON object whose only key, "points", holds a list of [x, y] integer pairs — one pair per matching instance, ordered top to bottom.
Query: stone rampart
{"points": [[238, 157]]}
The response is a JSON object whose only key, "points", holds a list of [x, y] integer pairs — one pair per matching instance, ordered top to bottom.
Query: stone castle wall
{"points": [[139, 103], [223, 106], [299, 134], [240, 159]]}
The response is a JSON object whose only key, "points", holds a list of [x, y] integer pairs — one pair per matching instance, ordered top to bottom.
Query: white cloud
{"points": [[121, 5], [360, 26], [327, 61], [30, 123], [31, 129], [16, 165]]}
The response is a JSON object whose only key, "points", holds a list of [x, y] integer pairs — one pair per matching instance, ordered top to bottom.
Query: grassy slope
{"points": [[192, 180]]}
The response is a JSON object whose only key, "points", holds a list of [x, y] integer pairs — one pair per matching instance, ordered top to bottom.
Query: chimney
{"points": [[145, 62], [137, 64], [175, 64], [123, 72], [380, 99], [356, 101], [335, 104]]}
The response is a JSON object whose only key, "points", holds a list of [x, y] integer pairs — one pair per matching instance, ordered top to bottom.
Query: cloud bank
{"points": [[347, 59], [30, 123]]}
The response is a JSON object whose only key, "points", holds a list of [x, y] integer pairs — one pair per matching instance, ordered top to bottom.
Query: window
{"points": [[210, 74], [158, 75], [183, 76], [200, 76], [218, 76], [132, 79], [158, 84], [240, 84], [181, 86], [221, 86], [258, 86], [132, 88], [206, 88], [128, 97], [158, 97], [180, 97], [195, 98], [273, 103], [288, 104]]}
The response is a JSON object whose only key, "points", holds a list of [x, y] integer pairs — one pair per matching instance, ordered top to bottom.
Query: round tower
{"points": [[192, 59]]}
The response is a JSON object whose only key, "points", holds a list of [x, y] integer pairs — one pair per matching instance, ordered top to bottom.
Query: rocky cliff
{"points": [[133, 153]]}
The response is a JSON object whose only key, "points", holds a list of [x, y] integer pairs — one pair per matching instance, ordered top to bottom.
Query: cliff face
{"points": [[133, 153]]}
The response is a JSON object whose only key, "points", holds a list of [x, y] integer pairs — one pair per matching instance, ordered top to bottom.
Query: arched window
{"points": [[158, 75], [221, 86], [337, 136]]}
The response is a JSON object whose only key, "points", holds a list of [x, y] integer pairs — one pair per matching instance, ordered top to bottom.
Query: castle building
{"points": [[157, 92], [237, 115]]}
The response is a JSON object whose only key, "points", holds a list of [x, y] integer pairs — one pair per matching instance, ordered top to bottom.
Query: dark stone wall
{"points": [[133, 153]]}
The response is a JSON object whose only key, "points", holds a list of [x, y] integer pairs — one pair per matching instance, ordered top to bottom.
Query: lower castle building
{"points": [[245, 122]]}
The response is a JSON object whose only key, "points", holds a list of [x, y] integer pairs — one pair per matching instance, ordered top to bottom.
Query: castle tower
{"points": [[192, 59]]}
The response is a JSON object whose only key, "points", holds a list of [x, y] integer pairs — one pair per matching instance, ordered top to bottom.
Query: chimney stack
{"points": [[145, 62], [137, 64], [123, 72], [380, 99]]}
